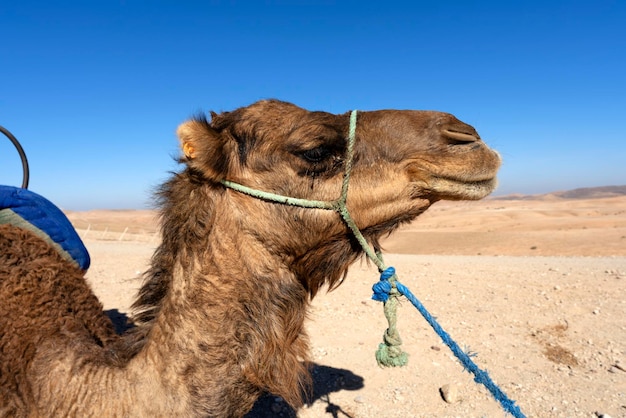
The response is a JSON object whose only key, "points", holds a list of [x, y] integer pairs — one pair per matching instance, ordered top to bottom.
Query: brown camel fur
{"points": [[222, 309]]}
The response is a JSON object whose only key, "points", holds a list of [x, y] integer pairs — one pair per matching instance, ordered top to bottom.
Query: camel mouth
{"points": [[469, 179], [456, 185], [451, 188]]}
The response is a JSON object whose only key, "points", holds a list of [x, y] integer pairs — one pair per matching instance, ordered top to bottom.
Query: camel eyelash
{"points": [[317, 155]]}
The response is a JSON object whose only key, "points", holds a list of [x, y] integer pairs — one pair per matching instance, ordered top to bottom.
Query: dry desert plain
{"points": [[535, 287]]}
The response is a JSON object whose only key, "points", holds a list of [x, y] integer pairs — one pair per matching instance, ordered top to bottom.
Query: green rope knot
{"points": [[389, 353], [391, 356]]}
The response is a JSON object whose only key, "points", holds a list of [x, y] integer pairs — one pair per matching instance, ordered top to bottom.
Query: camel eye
{"points": [[316, 155]]}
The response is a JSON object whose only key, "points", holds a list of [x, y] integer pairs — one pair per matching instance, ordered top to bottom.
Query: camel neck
{"points": [[225, 309]]}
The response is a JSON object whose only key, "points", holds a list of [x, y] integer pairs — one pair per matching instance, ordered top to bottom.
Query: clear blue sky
{"points": [[95, 89]]}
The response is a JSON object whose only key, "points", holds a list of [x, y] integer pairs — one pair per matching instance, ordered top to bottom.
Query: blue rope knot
{"points": [[383, 287]]}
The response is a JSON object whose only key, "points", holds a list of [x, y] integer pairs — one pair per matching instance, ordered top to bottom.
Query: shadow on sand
{"points": [[326, 380]]}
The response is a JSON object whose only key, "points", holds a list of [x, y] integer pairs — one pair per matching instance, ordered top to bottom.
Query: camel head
{"points": [[403, 162]]}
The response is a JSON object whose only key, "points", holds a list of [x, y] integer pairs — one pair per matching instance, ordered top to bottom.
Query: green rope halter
{"points": [[389, 352]]}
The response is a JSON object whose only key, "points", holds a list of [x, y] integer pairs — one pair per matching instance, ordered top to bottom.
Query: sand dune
{"points": [[539, 226], [584, 227]]}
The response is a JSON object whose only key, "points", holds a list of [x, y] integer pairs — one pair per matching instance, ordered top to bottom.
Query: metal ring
{"points": [[20, 150]]}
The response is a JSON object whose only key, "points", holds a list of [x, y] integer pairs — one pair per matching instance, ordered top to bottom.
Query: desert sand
{"points": [[535, 288]]}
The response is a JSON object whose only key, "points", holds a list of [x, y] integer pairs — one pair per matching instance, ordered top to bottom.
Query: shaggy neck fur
{"points": [[250, 303]]}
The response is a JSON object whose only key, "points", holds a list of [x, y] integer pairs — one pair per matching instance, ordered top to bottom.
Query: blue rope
{"points": [[381, 293]]}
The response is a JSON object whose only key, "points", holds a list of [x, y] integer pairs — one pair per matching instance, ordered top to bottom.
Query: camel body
{"points": [[221, 312]]}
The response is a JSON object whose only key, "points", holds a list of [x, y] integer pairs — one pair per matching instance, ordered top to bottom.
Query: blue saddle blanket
{"points": [[28, 210]]}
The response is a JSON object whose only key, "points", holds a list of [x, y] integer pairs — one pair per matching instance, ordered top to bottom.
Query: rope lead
{"points": [[387, 291]]}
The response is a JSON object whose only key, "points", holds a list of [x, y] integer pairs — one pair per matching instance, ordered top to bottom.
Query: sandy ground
{"points": [[535, 288]]}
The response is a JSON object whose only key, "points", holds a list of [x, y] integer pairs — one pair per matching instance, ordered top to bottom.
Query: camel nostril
{"points": [[459, 138]]}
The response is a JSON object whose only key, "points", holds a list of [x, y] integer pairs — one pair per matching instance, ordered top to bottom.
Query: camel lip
{"points": [[483, 178], [452, 188]]}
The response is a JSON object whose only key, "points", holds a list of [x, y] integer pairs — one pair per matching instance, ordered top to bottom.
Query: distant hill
{"points": [[581, 193]]}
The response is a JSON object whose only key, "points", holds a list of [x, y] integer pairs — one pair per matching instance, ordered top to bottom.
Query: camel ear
{"points": [[204, 148]]}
